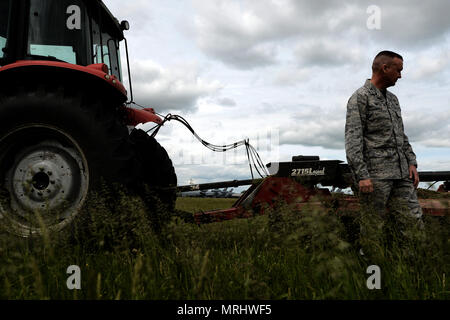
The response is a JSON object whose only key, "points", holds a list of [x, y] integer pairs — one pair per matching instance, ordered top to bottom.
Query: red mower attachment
{"points": [[303, 182]]}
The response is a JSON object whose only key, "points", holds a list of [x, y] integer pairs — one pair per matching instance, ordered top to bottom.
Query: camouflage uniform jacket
{"points": [[375, 142]]}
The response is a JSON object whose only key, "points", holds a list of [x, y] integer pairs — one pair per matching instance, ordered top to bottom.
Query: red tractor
{"points": [[65, 124]]}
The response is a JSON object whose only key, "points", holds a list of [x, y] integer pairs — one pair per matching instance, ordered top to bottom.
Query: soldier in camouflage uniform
{"points": [[378, 152]]}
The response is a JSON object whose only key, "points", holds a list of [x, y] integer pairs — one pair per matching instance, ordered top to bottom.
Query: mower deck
{"points": [[296, 183]]}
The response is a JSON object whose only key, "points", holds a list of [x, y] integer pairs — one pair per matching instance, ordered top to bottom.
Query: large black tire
{"points": [[57, 143], [158, 176]]}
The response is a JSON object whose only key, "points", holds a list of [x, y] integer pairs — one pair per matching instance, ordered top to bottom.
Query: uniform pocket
{"points": [[383, 163]]}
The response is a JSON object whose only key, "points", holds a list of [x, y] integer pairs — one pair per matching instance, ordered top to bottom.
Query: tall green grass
{"points": [[284, 254]]}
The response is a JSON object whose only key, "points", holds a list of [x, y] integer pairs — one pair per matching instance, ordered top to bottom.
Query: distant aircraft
{"points": [[199, 193], [212, 193]]}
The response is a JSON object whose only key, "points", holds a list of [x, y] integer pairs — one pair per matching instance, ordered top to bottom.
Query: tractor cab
{"points": [[81, 32]]}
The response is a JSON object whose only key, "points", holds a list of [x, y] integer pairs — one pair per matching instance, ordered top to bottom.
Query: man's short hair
{"points": [[384, 57]]}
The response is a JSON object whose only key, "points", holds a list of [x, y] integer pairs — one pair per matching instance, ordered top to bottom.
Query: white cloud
{"points": [[413, 23], [248, 34], [232, 35], [327, 53], [429, 65], [291, 76], [176, 88], [227, 102], [315, 126], [429, 129]]}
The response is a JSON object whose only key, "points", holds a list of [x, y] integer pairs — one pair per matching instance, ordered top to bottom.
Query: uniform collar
{"points": [[374, 90]]}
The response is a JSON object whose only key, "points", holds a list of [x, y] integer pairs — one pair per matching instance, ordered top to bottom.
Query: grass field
{"points": [[283, 255]]}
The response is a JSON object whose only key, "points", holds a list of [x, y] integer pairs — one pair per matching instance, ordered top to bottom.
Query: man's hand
{"points": [[414, 175], [366, 186]]}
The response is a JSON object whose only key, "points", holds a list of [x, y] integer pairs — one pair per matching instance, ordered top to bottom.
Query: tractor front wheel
{"points": [[55, 147], [47, 180]]}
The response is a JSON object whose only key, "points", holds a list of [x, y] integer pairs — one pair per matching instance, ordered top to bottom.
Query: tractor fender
{"points": [[93, 75]]}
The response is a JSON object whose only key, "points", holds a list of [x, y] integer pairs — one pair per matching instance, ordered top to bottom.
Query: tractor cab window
{"points": [[4, 14], [58, 30], [105, 48], [111, 50]]}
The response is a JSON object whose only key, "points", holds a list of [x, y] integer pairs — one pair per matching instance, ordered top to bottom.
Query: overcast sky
{"points": [[280, 72]]}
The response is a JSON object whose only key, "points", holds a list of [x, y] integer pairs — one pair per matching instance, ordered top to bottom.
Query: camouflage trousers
{"points": [[398, 195], [393, 203]]}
